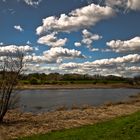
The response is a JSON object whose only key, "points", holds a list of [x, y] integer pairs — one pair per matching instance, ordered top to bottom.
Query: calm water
{"points": [[45, 100]]}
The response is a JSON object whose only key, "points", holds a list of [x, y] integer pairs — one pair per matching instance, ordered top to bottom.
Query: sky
{"points": [[73, 36]]}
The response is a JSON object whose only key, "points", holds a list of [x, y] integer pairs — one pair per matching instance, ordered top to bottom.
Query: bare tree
{"points": [[11, 66]]}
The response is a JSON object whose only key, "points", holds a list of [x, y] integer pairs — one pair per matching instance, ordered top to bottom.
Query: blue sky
{"points": [[74, 36]]}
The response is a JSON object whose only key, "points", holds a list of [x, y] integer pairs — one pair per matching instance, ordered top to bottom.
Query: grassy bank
{"points": [[17, 124], [122, 128]]}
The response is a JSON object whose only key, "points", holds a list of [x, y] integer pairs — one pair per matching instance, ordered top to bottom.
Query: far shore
{"points": [[76, 86]]}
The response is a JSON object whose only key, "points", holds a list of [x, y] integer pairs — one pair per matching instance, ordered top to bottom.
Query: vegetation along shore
{"points": [[75, 81], [17, 124]]}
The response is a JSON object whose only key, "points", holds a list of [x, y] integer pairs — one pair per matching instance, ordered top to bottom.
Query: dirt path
{"points": [[19, 124]]}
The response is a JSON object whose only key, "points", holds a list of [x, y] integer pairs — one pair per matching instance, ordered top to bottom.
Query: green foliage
{"points": [[56, 78], [34, 81], [25, 82], [122, 128]]}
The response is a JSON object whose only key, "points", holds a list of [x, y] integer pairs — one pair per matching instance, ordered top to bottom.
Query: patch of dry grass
{"points": [[25, 124]]}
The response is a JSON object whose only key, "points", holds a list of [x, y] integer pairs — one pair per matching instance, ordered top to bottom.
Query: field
{"points": [[122, 128]]}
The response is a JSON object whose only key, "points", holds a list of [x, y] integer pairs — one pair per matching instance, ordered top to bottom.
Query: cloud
{"points": [[32, 2], [119, 3], [125, 4], [134, 4], [77, 19], [19, 28], [89, 38], [52, 41], [28, 42], [1, 43], [77, 44], [132, 45], [13, 49], [36, 49], [94, 49], [106, 50], [59, 52], [55, 55], [131, 58], [109, 66], [122, 66], [37, 68], [133, 68], [131, 71]]}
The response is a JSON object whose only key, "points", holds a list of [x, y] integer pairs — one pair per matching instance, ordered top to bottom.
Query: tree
{"points": [[11, 66], [34, 81]]}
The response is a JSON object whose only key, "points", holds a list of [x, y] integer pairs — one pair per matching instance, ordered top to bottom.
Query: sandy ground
{"points": [[17, 124]]}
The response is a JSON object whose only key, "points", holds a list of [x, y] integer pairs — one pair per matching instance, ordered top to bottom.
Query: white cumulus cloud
{"points": [[126, 4], [134, 4], [80, 18], [89, 38], [52, 41], [77, 44], [125, 46], [14, 49], [59, 52], [55, 55], [131, 58], [117, 66]]}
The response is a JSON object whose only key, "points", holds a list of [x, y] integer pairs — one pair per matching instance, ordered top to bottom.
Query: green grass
{"points": [[122, 128]]}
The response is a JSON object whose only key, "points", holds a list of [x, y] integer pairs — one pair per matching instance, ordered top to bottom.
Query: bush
{"points": [[34, 81]]}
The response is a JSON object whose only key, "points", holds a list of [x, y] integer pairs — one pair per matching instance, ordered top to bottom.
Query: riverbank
{"points": [[77, 86], [18, 124], [120, 128]]}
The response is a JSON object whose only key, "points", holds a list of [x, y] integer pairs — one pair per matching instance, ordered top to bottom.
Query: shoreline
{"points": [[76, 86], [18, 124]]}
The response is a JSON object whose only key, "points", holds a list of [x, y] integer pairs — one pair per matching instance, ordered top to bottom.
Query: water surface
{"points": [[45, 100]]}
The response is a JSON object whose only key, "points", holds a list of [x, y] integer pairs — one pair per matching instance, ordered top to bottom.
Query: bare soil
{"points": [[18, 124]]}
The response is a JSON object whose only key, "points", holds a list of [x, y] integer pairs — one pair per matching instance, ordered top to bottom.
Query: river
{"points": [[47, 100]]}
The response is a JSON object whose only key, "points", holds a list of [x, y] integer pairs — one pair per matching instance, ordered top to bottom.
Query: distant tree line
{"points": [[56, 78]]}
